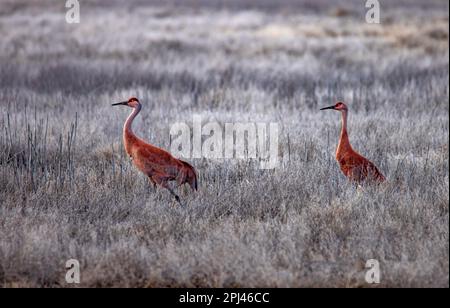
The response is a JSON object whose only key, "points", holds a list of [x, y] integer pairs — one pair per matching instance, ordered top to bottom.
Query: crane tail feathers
{"points": [[375, 173], [188, 175]]}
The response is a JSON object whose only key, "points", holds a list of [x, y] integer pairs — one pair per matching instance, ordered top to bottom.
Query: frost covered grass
{"points": [[67, 190]]}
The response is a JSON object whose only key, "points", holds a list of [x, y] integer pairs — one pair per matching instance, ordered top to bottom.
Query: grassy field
{"points": [[67, 189]]}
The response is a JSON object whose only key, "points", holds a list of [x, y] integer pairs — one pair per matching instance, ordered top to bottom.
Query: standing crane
{"points": [[159, 165], [354, 166]]}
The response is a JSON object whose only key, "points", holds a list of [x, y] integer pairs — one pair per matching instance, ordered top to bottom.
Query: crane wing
{"points": [[152, 160], [157, 162], [359, 169]]}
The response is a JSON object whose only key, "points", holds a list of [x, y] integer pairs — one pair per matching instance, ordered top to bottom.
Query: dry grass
{"points": [[68, 191]]}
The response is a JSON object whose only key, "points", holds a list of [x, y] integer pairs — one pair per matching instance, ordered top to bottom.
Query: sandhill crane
{"points": [[159, 165], [355, 167]]}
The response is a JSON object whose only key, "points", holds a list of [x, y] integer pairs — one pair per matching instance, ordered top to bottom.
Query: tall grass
{"points": [[67, 189]]}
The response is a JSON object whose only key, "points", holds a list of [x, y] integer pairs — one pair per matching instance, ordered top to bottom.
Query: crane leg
{"points": [[153, 182], [163, 183], [177, 198]]}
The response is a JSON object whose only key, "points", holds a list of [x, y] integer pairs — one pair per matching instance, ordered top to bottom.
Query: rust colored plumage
{"points": [[159, 165], [354, 166]]}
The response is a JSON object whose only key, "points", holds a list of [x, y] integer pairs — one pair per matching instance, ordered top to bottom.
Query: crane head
{"points": [[132, 102], [340, 106]]}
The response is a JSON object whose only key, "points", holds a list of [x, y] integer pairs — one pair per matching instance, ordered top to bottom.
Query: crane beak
{"points": [[121, 103], [325, 108]]}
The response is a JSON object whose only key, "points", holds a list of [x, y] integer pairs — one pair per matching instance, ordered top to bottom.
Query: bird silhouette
{"points": [[159, 165], [354, 166]]}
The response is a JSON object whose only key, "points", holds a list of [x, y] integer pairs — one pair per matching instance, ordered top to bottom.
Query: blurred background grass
{"points": [[68, 191]]}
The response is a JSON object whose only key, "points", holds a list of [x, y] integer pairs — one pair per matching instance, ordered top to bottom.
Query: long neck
{"points": [[128, 135], [344, 142]]}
